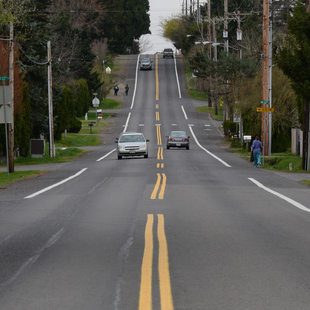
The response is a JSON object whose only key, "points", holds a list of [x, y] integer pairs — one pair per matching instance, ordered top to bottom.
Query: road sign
{"points": [[4, 78], [96, 102], [265, 102], [265, 109], [8, 116]]}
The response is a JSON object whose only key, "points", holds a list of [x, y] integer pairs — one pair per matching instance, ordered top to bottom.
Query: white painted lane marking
{"points": [[177, 76], [136, 82], [184, 113], [126, 125], [141, 125], [174, 125], [207, 125], [211, 154], [106, 155], [56, 184], [287, 199]]}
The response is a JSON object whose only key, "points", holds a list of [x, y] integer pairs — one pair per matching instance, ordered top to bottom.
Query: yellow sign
{"points": [[265, 109]]}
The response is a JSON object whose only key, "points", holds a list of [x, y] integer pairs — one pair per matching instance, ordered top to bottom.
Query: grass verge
{"points": [[197, 94], [211, 110], [74, 139], [61, 157], [279, 161], [6, 179], [307, 182]]}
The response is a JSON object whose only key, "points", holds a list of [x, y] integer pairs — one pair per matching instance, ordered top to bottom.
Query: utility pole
{"points": [[186, 8], [225, 32], [239, 35], [209, 51], [215, 59], [265, 78], [270, 82], [50, 100], [11, 125], [306, 136]]}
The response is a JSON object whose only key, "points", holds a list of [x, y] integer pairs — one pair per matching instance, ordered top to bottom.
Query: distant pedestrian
{"points": [[116, 88], [126, 89], [257, 148]]}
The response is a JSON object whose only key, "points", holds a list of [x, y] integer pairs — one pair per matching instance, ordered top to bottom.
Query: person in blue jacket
{"points": [[257, 148]]}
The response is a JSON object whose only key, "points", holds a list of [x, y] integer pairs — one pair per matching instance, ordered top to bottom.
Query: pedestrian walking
{"points": [[116, 88], [126, 89], [257, 148]]}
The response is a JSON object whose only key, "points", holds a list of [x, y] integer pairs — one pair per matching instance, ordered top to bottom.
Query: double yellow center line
{"points": [[156, 78], [158, 132], [160, 153], [160, 183], [145, 299]]}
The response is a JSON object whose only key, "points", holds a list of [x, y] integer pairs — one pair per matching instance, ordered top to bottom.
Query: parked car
{"points": [[168, 53], [146, 64], [178, 139], [132, 144]]}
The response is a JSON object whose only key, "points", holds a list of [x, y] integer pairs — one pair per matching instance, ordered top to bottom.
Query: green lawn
{"points": [[197, 94], [107, 104], [211, 110], [87, 131], [74, 139], [61, 156], [6, 179], [307, 182]]}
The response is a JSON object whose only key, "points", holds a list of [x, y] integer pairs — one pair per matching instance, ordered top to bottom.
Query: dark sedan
{"points": [[146, 64], [178, 139]]}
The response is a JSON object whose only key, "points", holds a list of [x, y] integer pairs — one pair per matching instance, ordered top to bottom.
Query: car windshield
{"points": [[168, 50], [145, 61], [177, 134], [131, 138]]}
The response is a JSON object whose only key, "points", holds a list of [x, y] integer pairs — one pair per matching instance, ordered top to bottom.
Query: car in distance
{"points": [[168, 53], [146, 64], [178, 139], [132, 144]]}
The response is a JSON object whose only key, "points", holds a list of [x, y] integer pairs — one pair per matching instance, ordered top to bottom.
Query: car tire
{"points": [[168, 147], [187, 147], [146, 155], [119, 157]]}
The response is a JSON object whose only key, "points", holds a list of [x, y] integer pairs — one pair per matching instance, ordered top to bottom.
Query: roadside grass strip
{"points": [[136, 81], [208, 152], [106, 155], [56, 184], [287, 199]]}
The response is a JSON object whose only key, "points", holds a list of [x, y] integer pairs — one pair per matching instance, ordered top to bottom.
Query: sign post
{"points": [[3, 79]]}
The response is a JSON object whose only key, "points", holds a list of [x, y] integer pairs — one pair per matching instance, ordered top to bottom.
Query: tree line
{"points": [[83, 33], [236, 82]]}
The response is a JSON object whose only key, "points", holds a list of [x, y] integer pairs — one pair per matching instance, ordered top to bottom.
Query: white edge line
{"points": [[177, 76], [136, 81], [185, 115], [126, 125], [211, 154], [106, 155], [56, 184], [289, 200]]}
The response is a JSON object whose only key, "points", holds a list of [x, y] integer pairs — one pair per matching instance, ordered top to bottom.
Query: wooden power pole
{"points": [[265, 78], [50, 100], [11, 125]]}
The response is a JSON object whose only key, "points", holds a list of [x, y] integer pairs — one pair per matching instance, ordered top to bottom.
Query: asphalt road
{"points": [[184, 229]]}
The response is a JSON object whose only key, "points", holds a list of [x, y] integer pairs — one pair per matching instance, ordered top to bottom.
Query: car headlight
{"points": [[142, 146], [121, 147]]}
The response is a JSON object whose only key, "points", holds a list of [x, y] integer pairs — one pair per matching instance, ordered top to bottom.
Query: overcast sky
{"points": [[159, 11]]}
